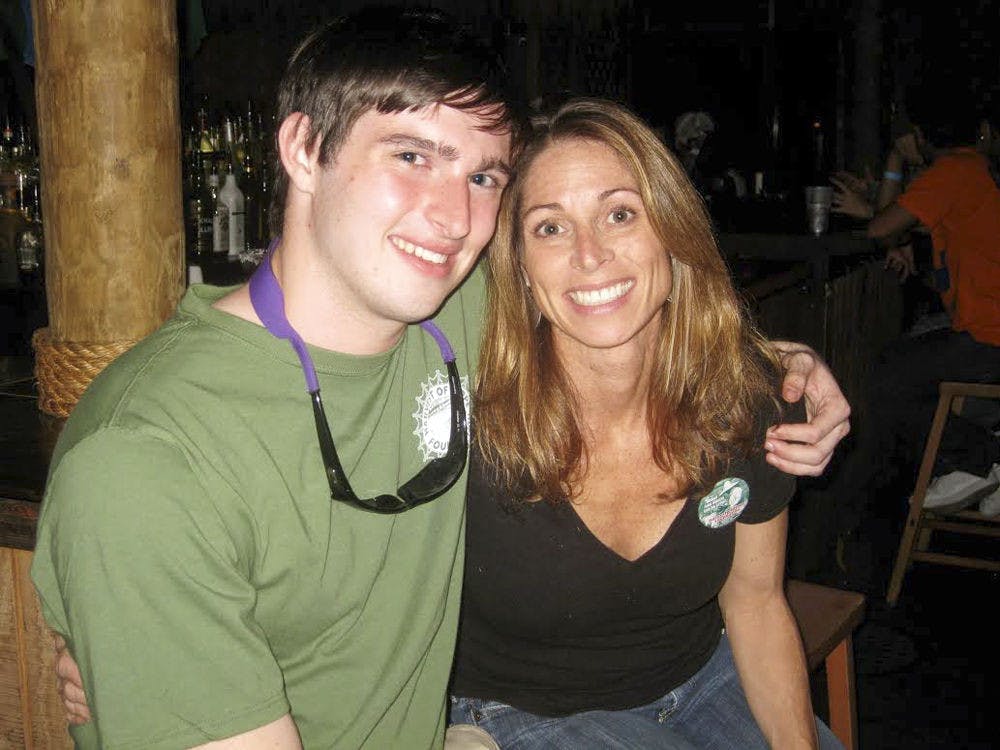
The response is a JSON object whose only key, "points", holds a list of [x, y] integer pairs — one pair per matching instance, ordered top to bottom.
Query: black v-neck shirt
{"points": [[554, 622]]}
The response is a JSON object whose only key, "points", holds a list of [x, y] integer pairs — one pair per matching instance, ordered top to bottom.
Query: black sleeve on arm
{"points": [[771, 489]]}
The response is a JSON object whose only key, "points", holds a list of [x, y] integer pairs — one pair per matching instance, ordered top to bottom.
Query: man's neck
{"points": [[312, 306]]}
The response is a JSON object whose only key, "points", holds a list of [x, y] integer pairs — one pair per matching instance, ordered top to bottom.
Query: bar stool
{"points": [[921, 522], [827, 618]]}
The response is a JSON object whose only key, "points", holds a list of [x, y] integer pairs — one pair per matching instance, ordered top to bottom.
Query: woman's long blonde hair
{"points": [[716, 377]]}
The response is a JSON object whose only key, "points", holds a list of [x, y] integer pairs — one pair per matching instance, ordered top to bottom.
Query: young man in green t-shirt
{"points": [[189, 550]]}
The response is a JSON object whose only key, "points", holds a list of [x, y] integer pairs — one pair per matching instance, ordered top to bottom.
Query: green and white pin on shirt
{"points": [[724, 503]]}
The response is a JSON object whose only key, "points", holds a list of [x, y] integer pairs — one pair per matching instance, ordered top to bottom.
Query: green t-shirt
{"points": [[189, 550]]}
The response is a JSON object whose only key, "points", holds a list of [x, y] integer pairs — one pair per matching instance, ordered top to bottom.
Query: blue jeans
{"points": [[708, 711]]}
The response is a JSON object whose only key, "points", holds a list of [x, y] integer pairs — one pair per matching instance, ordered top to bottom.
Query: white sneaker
{"points": [[959, 489], [990, 505]]}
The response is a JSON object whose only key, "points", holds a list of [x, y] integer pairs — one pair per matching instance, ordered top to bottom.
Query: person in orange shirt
{"points": [[958, 202]]}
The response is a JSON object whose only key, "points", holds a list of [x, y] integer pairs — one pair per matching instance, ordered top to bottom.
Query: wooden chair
{"points": [[921, 522], [827, 618]]}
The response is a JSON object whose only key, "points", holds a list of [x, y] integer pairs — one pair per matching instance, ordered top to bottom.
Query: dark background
{"points": [[745, 62]]}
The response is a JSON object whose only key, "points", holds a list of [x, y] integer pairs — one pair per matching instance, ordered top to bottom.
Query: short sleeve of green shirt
{"points": [[147, 577]]}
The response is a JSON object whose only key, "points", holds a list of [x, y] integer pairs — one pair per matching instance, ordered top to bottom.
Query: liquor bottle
{"points": [[203, 126], [250, 133], [7, 138], [228, 141], [25, 143], [239, 146], [817, 147], [190, 162], [23, 192], [28, 194], [231, 195], [250, 199], [36, 200], [263, 207], [201, 209], [220, 216], [30, 248]]}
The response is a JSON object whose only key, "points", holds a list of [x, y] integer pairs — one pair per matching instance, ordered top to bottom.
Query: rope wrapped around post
{"points": [[64, 369]]}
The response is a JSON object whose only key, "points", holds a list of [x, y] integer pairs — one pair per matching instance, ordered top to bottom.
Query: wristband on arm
{"points": [[894, 176]]}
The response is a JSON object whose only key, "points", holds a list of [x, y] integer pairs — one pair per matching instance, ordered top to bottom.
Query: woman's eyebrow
{"points": [[612, 191], [604, 195], [541, 207]]}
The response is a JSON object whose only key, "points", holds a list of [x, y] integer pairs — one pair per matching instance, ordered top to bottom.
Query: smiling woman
{"points": [[599, 207], [596, 268], [621, 514]]}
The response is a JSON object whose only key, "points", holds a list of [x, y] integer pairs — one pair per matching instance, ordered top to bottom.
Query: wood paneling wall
{"points": [[31, 715]]}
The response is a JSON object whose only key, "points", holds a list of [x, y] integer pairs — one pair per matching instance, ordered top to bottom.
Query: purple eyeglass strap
{"points": [[269, 303], [443, 344]]}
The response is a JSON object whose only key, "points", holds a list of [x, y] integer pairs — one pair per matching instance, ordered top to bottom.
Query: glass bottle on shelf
{"points": [[248, 132], [7, 139], [230, 142], [817, 149], [232, 197], [250, 198], [263, 207], [200, 212], [220, 215], [29, 250]]}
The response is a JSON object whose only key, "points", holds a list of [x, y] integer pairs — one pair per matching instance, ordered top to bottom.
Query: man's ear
{"points": [[299, 152]]}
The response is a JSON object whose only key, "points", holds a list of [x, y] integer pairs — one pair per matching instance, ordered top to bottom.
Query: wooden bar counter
{"points": [[831, 292]]}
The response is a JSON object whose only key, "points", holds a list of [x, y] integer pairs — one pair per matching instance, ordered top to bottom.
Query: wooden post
{"points": [[106, 88]]}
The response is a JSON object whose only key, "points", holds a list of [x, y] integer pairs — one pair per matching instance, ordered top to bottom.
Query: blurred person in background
{"points": [[956, 200]]}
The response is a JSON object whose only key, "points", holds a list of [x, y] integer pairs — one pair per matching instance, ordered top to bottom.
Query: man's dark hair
{"points": [[387, 59], [946, 113]]}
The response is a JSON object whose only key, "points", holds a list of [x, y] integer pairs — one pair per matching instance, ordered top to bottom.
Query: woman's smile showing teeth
{"points": [[420, 252], [595, 267], [594, 297]]}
